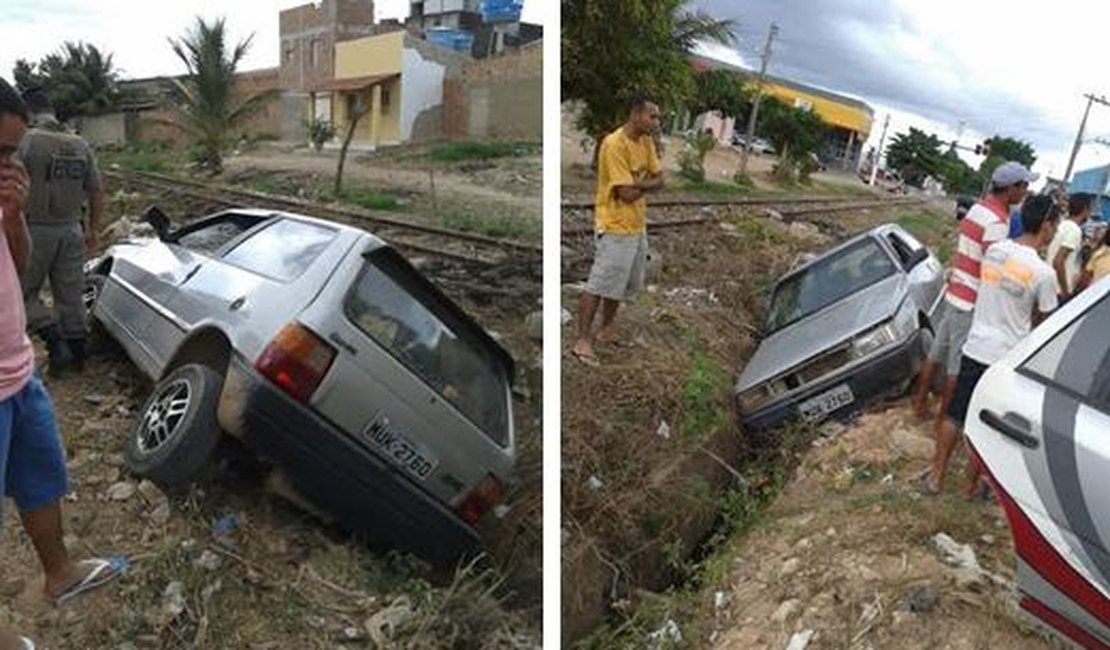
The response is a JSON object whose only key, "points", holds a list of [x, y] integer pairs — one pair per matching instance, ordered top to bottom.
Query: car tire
{"points": [[173, 442]]}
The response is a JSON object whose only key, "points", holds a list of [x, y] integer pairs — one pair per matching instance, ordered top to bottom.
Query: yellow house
{"points": [[393, 83]]}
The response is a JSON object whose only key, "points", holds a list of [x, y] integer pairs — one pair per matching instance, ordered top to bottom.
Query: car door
{"points": [[924, 272], [1040, 424]]}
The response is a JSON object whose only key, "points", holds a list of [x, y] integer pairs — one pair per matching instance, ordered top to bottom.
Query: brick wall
{"points": [[308, 27], [498, 98]]}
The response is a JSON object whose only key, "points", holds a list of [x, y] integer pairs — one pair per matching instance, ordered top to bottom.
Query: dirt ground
{"points": [[231, 566]]}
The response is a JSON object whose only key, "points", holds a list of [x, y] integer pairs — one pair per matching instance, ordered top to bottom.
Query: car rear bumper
{"points": [[879, 375], [337, 474]]}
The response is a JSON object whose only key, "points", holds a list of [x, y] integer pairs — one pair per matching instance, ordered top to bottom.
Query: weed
{"points": [[472, 150], [712, 188], [370, 199], [511, 226], [702, 397]]}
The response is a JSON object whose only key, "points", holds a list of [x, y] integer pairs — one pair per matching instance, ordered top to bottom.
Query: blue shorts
{"points": [[32, 461]]}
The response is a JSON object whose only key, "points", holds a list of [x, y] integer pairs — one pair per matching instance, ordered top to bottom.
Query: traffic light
{"points": [[983, 149]]}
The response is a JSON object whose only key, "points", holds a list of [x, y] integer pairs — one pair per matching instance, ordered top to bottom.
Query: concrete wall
{"points": [[372, 55], [421, 93], [500, 97], [100, 130]]}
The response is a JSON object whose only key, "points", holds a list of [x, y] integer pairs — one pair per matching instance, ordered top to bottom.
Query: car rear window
{"points": [[281, 250], [826, 281], [429, 337], [1078, 357]]}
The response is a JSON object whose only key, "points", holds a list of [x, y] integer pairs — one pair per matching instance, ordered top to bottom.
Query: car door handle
{"points": [[237, 304], [1012, 426]]}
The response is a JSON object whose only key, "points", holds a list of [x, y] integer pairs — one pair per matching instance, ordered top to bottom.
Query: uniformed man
{"points": [[64, 177]]}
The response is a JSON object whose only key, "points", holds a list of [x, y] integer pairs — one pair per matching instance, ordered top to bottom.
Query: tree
{"points": [[614, 51], [78, 79], [719, 90], [203, 100], [359, 110], [796, 133], [1012, 149], [916, 155], [957, 176]]}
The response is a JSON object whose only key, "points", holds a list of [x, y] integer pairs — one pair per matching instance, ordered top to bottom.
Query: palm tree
{"points": [[78, 79], [204, 100]]}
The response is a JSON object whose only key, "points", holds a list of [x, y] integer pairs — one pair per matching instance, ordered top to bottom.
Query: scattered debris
{"points": [[567, 317], [664, 430], [594, 483], [121, 491], [208, 561], [790, 567], [921, 600], [173, 601], [787, 610], [382, 625], [667, 636], [800, 640]]}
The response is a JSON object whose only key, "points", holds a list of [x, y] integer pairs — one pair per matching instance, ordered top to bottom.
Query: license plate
{"points": [[815, 408], [399, 450]]}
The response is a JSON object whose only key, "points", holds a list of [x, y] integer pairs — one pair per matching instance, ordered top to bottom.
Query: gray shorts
{"points": [[620, 265], [948, 343]]}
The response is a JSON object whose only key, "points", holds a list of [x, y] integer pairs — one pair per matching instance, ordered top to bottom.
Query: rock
{"points": [[772, 213], [803, 230], [566, 316], [533, 324], [94, 399], [664, 430], [912, 445], [594, 483], [121, 491], [151, 493], [161, 514], [987, 539], [208, 561], [790, 567], [967, 571], [720, 599], [173, 600], [920, 600], [787, 610], [800, 640]]}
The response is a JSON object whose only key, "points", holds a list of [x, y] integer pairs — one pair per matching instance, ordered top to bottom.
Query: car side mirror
{"points": [[157, 220]]}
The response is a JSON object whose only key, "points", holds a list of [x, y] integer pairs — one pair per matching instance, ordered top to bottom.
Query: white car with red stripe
{"points": [[1039, 424]]}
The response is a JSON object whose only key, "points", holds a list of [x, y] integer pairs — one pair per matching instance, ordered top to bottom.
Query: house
{"points": [[479, 27], [393, 82], [1094, 181]]}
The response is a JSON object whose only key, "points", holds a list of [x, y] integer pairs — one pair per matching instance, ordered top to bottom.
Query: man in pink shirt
{"points": [[32, 460]]}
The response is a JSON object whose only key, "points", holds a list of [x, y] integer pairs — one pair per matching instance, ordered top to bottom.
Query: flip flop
{"points": [[588, 360], [923, 485], [103, 572]]}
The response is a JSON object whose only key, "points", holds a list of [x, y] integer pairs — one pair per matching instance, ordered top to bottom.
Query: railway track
{"points": [[809, 206], [459, 247]]}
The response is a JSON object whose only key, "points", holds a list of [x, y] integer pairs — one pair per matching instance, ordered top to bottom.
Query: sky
{"points": [[136, 32], [968, 68]]}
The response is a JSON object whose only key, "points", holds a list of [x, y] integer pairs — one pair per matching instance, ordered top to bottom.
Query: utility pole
{"points": [[771, 34], [1079, 136], [879, 151]]}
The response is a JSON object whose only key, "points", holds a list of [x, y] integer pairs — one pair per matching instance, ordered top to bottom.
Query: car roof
{"points": [[296, 216]]}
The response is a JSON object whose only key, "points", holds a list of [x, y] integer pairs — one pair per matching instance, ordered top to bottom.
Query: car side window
{"points": [[214, 234], [906, 248], [281, 250], [1077, 359]]}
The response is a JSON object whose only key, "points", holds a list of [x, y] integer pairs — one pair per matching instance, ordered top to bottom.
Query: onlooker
{"points": [[628, 168], [64, 176], [986, 222], [1063, 252], [1098, 266], [1016, 292], [32, 461]]}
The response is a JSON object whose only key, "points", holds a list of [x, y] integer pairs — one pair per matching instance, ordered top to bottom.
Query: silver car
{"points": [[849, 325], [368, 392]]}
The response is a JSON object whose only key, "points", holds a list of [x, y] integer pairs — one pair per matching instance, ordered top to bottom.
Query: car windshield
{"points": [[827, 281], [431, 339]]}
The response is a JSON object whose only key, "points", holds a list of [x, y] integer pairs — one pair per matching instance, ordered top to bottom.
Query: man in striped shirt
{"points": [[987, 222]]}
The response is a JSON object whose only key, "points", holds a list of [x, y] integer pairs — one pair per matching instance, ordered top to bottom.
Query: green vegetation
{"points": [[614, 51], [78, 80], [203, 99], [473, 150], [141, 157], [691, 160], [715, 188], [370, 199], [510, 226], [933, 230], [703, 394]]}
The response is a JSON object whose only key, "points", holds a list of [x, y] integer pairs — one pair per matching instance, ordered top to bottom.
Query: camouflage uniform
{"points": [[63, 174]]}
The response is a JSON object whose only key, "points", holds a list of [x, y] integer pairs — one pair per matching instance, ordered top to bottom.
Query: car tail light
{"points": [[296, 360], [481, 499]]}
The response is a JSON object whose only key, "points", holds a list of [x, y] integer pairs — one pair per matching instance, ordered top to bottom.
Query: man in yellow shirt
{"points": [[627, 169]]}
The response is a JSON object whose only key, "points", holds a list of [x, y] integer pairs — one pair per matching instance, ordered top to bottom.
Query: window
{"points": [[317, 53], [385, 99], [907, 248], [282, 250], [395, 308], [1077, 359]]}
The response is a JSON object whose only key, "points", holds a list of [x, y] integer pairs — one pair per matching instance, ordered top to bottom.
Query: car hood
{"points": [[819, 331]]}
